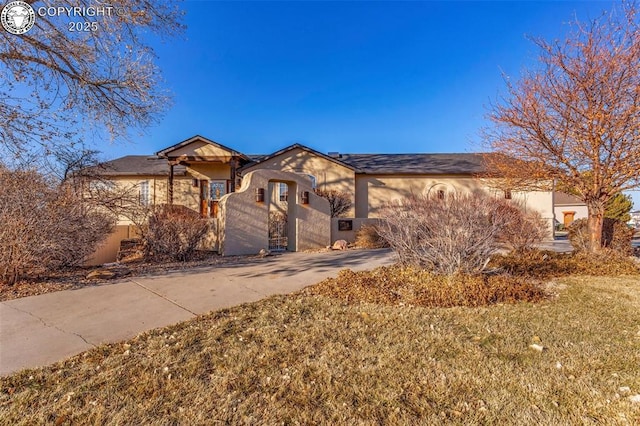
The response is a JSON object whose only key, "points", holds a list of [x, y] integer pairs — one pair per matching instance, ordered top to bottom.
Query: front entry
{"points": [[210, 193], [273, 210], [278, 216]]}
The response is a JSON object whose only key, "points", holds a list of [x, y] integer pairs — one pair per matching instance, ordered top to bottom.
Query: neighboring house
{"points": [[198, 172], [567, 208], [635, 219]]}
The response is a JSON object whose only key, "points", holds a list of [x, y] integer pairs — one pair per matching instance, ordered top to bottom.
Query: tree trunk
{"points": [[594, 224]]}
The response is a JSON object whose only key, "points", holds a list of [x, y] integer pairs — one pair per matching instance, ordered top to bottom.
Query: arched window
{"points": [[311, 177], [439, 191]]}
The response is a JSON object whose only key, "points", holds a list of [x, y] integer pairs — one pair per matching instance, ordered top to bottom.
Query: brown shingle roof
{"points": [[416, 163], [138, 165], [564, 199]]}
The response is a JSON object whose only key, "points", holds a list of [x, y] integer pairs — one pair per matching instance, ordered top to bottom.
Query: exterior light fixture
{"points": [[195, 182], [259, 195], [305, 197]]}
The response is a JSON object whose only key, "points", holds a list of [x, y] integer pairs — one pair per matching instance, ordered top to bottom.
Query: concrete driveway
{"points": [[40, 330]]}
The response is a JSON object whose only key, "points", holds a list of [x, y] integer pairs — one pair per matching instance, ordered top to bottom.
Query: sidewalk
{"points": [[40, 330]]}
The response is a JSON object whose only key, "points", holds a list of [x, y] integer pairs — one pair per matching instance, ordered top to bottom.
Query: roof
{"points": [[297, 146], [166, 151], [407, 164], [441, 164], [138, 165], [564, 199]]}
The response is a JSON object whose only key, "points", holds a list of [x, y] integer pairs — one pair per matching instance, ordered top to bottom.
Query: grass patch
{"points": [[394, 285], [311, 360]]}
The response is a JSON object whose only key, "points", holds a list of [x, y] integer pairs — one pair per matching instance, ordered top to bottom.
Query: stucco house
{"points": [[204, 175], [567, 208]]}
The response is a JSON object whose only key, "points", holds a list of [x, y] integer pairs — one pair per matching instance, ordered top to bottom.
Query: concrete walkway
{"points": [[40, 330]]}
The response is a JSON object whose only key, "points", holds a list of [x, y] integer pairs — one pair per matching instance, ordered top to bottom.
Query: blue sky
{"points": [[346, 76]]}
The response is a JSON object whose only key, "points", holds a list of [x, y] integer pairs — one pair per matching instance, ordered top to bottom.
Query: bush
{"points": [[45, 227], [522, 231], [173, 232], [454, 234], [616, 235], [368, 237], [548, 264], [395, 285]]}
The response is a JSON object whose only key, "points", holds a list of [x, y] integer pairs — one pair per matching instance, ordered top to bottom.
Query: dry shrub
{"points": [[45, 227], [522, 231], [173, 232], [455, 234], [616, 235], [368, 237], [548, 264], [392, 285]]}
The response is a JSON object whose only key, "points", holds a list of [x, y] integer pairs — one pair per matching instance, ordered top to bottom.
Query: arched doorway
{"points": [[281, 234]]}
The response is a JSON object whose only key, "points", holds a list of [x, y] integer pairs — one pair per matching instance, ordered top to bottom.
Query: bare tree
{"points": [[74, 69], [576, 119], [339, 202]]}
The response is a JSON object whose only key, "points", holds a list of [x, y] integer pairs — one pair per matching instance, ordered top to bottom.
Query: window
{"points": [[313, 180], [101, 185], [218, 188], [283, 191], [144, 193], [507, 194]]}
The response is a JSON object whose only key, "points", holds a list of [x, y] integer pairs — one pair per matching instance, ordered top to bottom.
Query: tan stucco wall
{"points": [[201, 149], [214, 171], [329, 175], [380, 189], [183, 192], [244, 222], [349, 236], [107, 251]]}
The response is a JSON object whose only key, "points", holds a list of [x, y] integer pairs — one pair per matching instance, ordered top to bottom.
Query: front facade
{"points": [[200, 173]]}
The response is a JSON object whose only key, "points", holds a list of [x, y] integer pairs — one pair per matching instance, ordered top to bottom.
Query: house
{"points": [[199, 172], [567, 208]]}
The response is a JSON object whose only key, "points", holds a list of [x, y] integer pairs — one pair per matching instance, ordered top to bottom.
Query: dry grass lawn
{"points": [[306, 359]]}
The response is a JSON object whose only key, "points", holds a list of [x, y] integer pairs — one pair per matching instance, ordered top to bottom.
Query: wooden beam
{"points": [[233, 164], [171, 184]]}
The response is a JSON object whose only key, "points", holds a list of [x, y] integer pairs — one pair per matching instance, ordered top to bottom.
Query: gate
{"points": [[278, 239]]}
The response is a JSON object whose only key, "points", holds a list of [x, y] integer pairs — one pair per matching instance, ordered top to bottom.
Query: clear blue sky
{"points": [[346, 76]]}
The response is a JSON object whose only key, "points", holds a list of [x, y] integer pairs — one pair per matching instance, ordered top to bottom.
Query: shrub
{"points": [[339, 202], [45, 227], [522, 231], [173, 232], [454, 234], [579, 235], [616, 235], [368, 237], [548, 264], [397, 284]]}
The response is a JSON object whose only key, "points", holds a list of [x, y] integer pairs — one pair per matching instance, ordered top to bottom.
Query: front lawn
{"points": [[310, 359]]}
